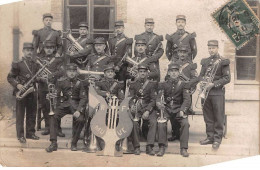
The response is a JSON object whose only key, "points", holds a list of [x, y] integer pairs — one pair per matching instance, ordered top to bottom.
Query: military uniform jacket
{"points": [[41, 35], [180, 38], [152, 41], [85, 43], [118, 46], [97, 62], [54, 67], [21, 72], [154, 72], [188, 72], [222, 75], [111, 86], [71, 93], [146, 95], [176, 96]]}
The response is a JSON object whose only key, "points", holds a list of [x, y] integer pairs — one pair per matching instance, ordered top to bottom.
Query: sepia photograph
{"points": [[128, 83]]}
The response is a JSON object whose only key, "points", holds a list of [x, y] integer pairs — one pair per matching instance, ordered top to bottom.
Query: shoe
{"points": [[191, 112], [46, 132], [60, 134], [33, 137], [173, 138], [22, 140], [206, 141], [215, 145], [52, 147], [73, 147], [118, 147], [149, 150], [137, 151], [161, 151], [184, 152]]}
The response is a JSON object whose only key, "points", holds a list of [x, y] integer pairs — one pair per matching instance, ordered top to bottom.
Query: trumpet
{"points": [[204, 84], [52, 95], [162, 119]]}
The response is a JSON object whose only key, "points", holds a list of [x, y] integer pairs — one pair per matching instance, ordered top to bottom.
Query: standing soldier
{"points": [[45, 34], [180, 37], [120, 45], [154, 48], [80, 57], [141, 58], [54, 63], [21, 72], [189, 75], [109, 87], [143, 92], [71, 99], [177, 99], [214, 104]]}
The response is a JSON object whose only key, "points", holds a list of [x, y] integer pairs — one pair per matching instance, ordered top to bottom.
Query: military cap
{"points": [[47, 15], [183, 17], [149, 20], [119, 23], [83, 24], [99, 40], [140, 41], [49, 43], [213, 43], [27, 45], [183, 48], [71, 66], [142, 66], [173, 66], [109, 67]]}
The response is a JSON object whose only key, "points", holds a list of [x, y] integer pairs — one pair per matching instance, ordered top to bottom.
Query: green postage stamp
{"points": [[238, 21]]}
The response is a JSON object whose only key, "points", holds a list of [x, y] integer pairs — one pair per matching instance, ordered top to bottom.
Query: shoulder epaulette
{"points": [[35, 32], [193, 35], [137, 37], [160, 37], [168, 37], [129, 41], [203, 61], [225, 61], [194, 66]]}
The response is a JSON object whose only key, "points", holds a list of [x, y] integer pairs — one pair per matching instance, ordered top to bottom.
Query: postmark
{"points": [[238, 21]]}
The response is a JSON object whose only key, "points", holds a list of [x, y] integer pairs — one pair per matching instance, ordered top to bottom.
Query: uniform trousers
{"points": [[28, 103], [45, 107], [213, 113]]}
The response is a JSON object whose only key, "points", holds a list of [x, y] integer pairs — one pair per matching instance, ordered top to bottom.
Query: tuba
{"points": [[75, 46], [207, 79]]}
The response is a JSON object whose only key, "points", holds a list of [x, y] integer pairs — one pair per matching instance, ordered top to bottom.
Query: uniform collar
{"points": [[47, 28], [181, 32], [149, 33], [83, 36], [120, 36], [100, 54], [142, 55], [214, 56], [108, 79], [142, 80], [173, 81]]}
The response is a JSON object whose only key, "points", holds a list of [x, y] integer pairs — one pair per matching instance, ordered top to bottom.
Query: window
{"points": [[99, 14], [247, 58]]}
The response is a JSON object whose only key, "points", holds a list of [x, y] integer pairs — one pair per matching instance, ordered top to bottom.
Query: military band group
{"points": [[55, 82]]}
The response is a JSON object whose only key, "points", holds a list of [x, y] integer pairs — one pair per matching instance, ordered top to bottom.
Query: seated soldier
{"points": [[143, 92], [71, 99], [177, 99]]}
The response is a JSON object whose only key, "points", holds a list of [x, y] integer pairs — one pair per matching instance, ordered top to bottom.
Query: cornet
{"points": [[52, 98], [162, 119]]}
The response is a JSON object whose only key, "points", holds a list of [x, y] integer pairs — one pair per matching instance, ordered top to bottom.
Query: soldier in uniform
{"points": [[47, 33], [180, 37], [119, 45], [154, 49], [80, 57], [141, 58], [99, 59], [54, 63], [21, 72], [189, 75], [108, 87], [143, 92], [71, 99], [177, 99], [214, 105]]}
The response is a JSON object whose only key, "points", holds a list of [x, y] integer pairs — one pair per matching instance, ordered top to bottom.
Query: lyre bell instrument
{"points": [[133, 71], [46, 72], [207, 79], [28, 87], [52, 97], [161, 118]]}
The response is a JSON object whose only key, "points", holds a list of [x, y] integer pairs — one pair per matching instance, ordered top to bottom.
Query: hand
{"points": [[81, 51], [57, 55], [117, 68], [210, 85], [19, 86], [51, 96], [160, 105], [76, 114], [145, 115], [182, 115]]}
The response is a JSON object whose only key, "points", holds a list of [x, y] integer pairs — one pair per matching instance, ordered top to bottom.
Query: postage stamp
{"points": [[238, 21]]}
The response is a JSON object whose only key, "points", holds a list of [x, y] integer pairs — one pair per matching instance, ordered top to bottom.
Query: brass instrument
{"points": [[75, 46], [133, 71], [46, 72], [87, 72], [186, 79], [207, 79], [28, 88], [52, 97], [136, 118], [162, 119]]}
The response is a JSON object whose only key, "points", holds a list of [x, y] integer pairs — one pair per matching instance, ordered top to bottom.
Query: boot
{"points": [[46, 132], [60, 134], [206, 141], [215, 145], [52, 147], [73, 147], [149, 150], [161, 150], [137, 151], [184, 152]]}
